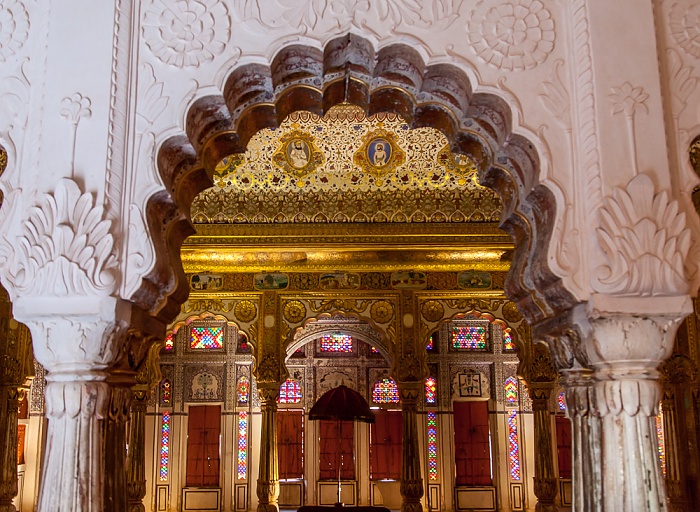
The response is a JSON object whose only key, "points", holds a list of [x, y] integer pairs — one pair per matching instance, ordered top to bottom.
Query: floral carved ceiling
{"points": [[346, 167]]}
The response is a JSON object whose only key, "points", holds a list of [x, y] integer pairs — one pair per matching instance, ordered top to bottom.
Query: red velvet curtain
{"points": [[203, 430], [330, 439], [290, 444], [385, 445], [564, 446], [472, 447]]}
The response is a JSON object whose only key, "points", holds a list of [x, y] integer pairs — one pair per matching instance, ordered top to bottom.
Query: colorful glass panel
{"points": [[207, 337], [469, 337], [169, 342], [336, 343], [431, 343], [508, 343], [374, 350], [243, 390], [430, 390], [511, 391], [166, 392], [290, 392], [385, 392], [561, 401], [660, 439], [164, 445], [242, 445], [513, 445], [432, 446]]}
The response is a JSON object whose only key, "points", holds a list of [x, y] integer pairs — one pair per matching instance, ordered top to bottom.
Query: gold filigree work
{"points": [[245, 310], [294, 311], [382, 311], [433, 311]]}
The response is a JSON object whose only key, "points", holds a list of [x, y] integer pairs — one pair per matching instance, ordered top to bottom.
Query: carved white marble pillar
{"points": [[625, 341]]}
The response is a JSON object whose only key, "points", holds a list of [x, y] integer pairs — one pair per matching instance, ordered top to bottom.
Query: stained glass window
{"points": [[207, 337], [469, 337], [169, 342], [336, 343], [431, 343], [508, 343], [243, 345], [374, 350], [243, 390], [430, 390], [511, 391], [166, 392], [290, 392], [385, 392], [561, 401], [660, 439], [164, 445], [242, 445], [513, 445], [432, 446]]}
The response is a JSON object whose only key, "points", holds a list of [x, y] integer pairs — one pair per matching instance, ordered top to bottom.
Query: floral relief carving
{"points": [[362, 14], [684, 20], [14, 28], [187, 32], [511, 35], [74, 108], [646, 241], [65, 247]]}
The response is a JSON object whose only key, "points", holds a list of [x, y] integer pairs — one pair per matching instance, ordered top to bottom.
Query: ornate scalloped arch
{"points": [[393, 79]]}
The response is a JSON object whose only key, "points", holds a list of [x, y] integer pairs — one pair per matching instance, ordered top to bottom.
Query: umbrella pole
{"points": [[340, 443]]}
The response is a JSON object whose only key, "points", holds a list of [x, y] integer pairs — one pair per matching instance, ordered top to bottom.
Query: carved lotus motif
{"points": [[685, 26], [14, 28], [186, 32], [511, 35], [245, 310], [294, 311], [382, 311], [433, 311]]}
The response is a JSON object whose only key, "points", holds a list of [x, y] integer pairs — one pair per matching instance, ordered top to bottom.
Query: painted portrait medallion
{"points": [[297, 154], [380, 154]]}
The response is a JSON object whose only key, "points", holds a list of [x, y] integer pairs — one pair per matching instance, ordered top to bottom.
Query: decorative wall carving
{"points": [[684, 20], [14, 28], [188, 32], [511, 36], [629, 100], [74, 108], [646, 241], [65, 247]]}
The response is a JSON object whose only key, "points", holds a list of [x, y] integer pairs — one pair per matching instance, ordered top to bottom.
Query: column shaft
{"points": [[8, 447], [136, 474], [411, 476], [545, 478], [268, 488]]}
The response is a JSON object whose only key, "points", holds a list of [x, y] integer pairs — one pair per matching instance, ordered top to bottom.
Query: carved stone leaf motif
{"points": [[685, 26], [14, 28], [186, 32], [511, 35], [555, 98], [646, 241], [65, 247]]}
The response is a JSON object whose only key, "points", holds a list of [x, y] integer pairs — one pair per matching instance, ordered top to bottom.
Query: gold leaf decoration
{"points": [[379, 154], [298, 155], [245, 310], [294, 311], [382, 311], [433, 311], [511, 313]]}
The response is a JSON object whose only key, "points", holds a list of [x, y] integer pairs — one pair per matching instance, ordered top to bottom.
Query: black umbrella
{"points": [[341, 404]]}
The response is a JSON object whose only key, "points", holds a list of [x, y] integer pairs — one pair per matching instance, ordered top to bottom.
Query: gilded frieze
{"points": [[346, 167]]}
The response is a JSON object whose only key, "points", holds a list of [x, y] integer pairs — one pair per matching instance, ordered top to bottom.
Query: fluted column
{"points": [[586, 432], [115, 441], [8, 446], [411, 475], [545, 477], [268, 488]]}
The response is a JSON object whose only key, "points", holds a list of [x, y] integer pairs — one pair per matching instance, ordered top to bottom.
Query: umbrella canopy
{"points": [[342, 403]]}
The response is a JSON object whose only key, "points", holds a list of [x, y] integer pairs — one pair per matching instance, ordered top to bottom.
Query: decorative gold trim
{"points": [[298, 155], [373, 157]]}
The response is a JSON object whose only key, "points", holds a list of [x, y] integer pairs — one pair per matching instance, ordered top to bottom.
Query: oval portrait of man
{"points": [[379, 152], [298, 153]]}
